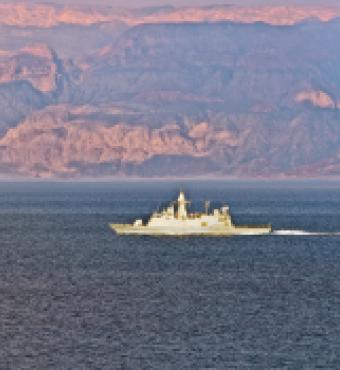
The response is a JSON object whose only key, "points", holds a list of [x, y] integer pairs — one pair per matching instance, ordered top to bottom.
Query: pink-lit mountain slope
{"points": [[178, 98]]}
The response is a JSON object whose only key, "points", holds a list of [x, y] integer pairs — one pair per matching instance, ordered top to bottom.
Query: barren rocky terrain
{"points": [[215, 91]]}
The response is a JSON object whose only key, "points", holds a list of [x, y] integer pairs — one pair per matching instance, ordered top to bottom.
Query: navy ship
{"points": [[175, 220]]}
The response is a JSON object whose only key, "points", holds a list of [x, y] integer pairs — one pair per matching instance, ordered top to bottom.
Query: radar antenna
{"points": [[206, 206]]}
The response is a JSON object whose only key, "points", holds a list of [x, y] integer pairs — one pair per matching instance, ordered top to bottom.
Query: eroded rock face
{"points": [[46, 15], [275, 15], [37, 64], [242, 68], [30, 79], [184, 98], [319, 99], [65, 141], [49, 143]]}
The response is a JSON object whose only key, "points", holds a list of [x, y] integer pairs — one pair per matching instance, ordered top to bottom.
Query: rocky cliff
{"points": [[22, 14], [45, 15], [275, 15], [37, 64], [30, 79], [185, 97], [66, 141]]}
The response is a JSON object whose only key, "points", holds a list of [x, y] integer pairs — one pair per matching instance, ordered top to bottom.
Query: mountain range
{"points": [[217, 91]]}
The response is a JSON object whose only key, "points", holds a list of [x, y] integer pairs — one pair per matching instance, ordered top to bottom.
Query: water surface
{"points": [[73, 295]]}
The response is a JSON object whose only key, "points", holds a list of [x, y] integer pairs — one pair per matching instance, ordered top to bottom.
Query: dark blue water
{"points": [[73, 295]]}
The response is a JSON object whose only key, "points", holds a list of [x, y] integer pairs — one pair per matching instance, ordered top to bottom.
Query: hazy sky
{"points": [[141, 3]]}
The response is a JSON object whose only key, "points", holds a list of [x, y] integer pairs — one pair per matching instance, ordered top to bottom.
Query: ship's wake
{"points": [[303, 233]]}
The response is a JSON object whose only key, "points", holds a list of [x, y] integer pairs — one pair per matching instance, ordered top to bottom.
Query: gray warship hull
{"points": [[127, 229]]}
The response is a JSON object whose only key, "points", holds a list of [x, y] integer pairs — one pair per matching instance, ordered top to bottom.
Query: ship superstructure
{"points": [[177, 221]]}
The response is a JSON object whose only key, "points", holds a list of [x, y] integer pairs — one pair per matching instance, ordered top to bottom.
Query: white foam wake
{"points": [[303, 233]]}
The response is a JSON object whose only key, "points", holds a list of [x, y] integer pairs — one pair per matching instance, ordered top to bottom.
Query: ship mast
{"points": [[182, 206], [206, 206]]}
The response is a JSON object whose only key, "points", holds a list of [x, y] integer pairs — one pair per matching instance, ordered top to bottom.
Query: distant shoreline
{"points": [[278, 179]]}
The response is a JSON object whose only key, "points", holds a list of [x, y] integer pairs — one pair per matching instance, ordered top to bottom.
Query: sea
{"points": [[74, 295]]}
